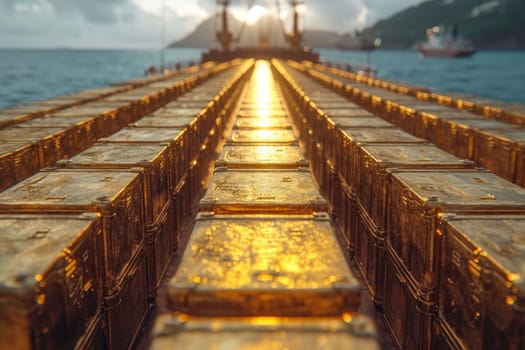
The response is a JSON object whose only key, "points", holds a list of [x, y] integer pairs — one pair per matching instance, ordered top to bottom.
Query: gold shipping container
{"points": [[110, 119], [85, 130], [262, 136], [348, 141], [53, 143], [181, 145], [501, 151], [261, 157], [153, 159], [18, 161], [373, 178], [519, 178], [252, 191], [116, 195], [418, 198], [161, 242], [263, 265], [49, 286], [482, 293], [128, 309], [408, 315], [178, 331], [96, 336], [443, 337]]}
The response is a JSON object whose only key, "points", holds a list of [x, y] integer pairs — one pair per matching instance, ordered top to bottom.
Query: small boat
{"points": [[441, 43]]}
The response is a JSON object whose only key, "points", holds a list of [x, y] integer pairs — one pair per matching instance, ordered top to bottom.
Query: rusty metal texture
{"points": [[276, 191], [257, 265], [49, 286], [179, 331]]}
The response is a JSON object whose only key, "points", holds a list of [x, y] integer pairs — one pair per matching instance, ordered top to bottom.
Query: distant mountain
{"points": [[496, 24], [268, 28]]}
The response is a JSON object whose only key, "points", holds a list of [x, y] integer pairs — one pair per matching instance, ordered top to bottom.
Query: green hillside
{"points": [[498, 24]]}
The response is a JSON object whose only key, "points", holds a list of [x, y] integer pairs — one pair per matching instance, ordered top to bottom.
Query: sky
{"points": [[137, 24]]}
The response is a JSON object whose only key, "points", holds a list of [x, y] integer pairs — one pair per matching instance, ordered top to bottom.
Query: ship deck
{"points": [[262, 204]]}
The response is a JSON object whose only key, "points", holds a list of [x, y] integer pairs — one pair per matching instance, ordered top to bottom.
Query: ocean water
{"points": [[32, 75]]}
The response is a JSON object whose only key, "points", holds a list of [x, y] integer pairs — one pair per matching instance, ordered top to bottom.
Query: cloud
{"points": [[136, 23], [86, 24]]}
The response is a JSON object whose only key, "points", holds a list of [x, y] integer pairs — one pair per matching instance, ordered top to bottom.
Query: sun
{"points": [[254, 14]]}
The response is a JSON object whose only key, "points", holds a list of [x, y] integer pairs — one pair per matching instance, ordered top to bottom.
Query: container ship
{"points": [[262, 200]]}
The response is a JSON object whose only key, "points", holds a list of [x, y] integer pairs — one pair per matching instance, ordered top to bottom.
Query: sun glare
{"points": [[254, 14]]}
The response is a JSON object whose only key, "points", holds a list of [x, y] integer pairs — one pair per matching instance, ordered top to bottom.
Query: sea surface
{"points": [[31, 75]]}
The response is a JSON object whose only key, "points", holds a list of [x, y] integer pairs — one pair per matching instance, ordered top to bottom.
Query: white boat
{"points": [[441, 43]]}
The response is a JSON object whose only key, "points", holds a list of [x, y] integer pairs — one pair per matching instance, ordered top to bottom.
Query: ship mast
{"points": [[224, 36], [295, 37]]}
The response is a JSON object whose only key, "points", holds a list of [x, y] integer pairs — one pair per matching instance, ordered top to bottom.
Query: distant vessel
{"points": [[445, 44]]}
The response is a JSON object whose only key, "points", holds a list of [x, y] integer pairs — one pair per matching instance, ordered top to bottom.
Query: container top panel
{"points": [[203, 98], [185, 105], [337, 106], [84, 110], [178, 111], [345, 112], [262, 113], [451, 113], [55, 121], [163, 121], [361, 122], [263, 123], [482, 123], [16, 133], [511, 134], [154, 135], [380, 135], [262, 136], [7, 148], [117, 153], [261, 155], [412, 155], [67, 190], [265, 190], [468, 190], [502, 238], [29, 245], [263, 253], [178, 331]]}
